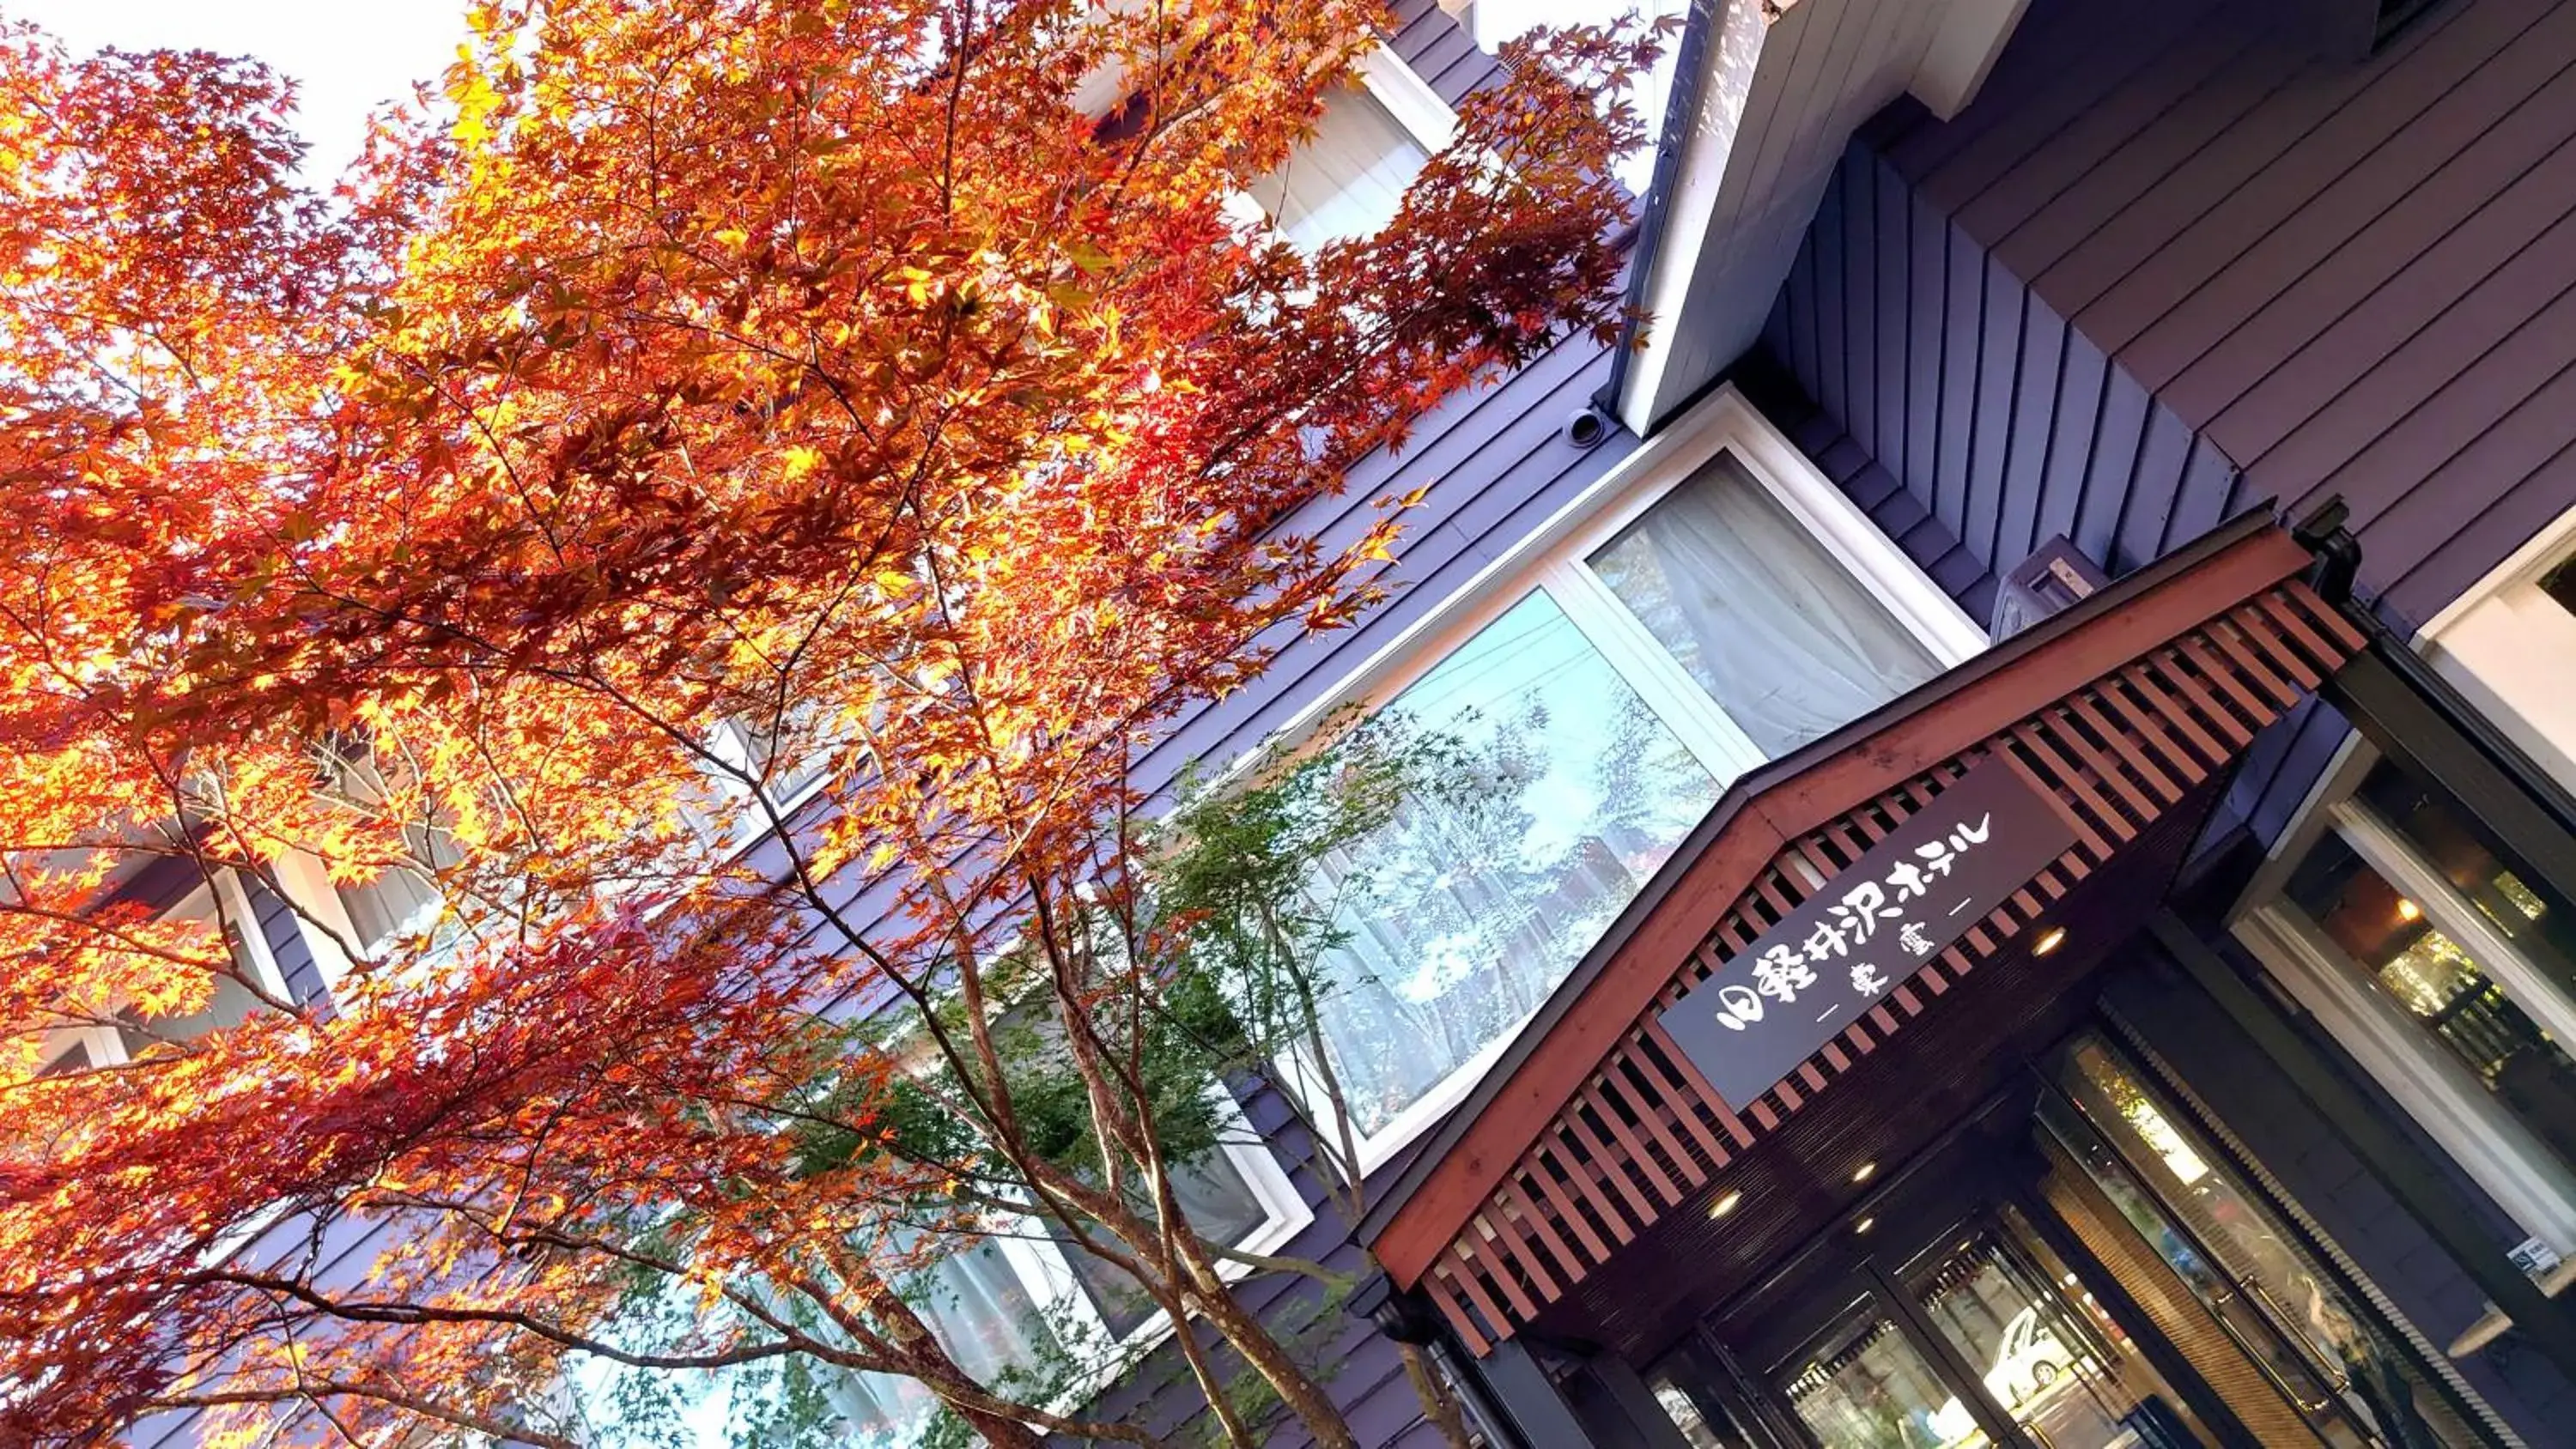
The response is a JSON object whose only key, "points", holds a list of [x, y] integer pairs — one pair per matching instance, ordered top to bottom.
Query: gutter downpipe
{"points": [[1645, 237], [2325, 533]]}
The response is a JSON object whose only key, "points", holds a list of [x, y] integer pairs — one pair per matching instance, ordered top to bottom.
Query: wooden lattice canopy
{"points": [[1594, 1127]]}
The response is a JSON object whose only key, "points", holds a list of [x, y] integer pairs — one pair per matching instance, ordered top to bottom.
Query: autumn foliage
{"points": [[721, 510]]}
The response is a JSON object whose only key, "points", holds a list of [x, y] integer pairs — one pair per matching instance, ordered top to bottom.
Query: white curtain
{"points": [[1349, 179], [1780, 634], [398, 900], [1463, 913], [1214, 1199], [980, 1312]]}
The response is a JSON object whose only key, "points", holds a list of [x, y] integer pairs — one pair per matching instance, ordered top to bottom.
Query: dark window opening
{"points": [[2560, 584]]}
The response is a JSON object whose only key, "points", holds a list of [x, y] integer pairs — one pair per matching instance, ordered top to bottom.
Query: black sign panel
{"points": [[1916, 892]]}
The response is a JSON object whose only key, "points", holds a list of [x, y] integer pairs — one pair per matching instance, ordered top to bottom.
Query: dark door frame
{"points": [[1874, 1281], [1748, 1392]]}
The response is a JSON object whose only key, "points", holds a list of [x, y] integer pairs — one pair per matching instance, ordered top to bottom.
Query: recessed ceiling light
{"points": [[2407, 910], [2049, 940], [1865, 1172], [1726, 1204], [1864, 1225]]}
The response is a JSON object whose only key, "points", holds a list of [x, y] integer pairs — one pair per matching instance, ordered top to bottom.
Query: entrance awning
{"points": [[1595, 1149]]}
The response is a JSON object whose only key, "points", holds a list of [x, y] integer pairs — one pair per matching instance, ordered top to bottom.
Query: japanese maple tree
{"points": [[720, 513]]}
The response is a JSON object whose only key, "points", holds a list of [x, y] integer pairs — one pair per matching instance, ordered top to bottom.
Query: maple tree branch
{"points": [[398, 1312], [310, 1390]]}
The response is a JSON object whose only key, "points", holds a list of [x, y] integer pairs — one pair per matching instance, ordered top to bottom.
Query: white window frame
{"points": [[1406, 96], [1550, 557], [2484, 644], [731, 740], [230, 902], [2498, 1152], [1046, 1272]]}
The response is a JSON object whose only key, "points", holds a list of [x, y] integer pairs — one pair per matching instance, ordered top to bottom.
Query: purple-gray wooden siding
{"points": [[2176, 261], [2352, 278]]}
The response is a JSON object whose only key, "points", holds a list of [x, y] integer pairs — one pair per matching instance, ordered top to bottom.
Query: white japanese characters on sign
{"points": [[1837, 954]]}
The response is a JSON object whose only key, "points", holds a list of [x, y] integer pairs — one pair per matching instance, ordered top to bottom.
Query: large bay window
{"points": [[1348, 179], [1712, 603], [2446, 971], [979, 1306], [1021, 1311]]}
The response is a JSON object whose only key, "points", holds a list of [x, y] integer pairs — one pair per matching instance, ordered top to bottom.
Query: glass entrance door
{"points": [[1983, 1339], [2043, 1351], [1869, 1386]]}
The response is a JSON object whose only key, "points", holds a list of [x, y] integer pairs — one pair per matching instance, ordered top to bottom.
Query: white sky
{"points": [[347, 56]]}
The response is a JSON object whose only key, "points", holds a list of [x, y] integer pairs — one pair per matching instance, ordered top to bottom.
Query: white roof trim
{"points": [[1779, 96]]}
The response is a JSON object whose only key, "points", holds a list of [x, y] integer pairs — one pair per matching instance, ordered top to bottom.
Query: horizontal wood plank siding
{"points": [[2351, 278], [2004, 423], [284, 936]]}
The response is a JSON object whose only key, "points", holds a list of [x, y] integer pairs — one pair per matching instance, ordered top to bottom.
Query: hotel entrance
{"points": [[1846, 1137], [2078, 1268], [1983, 1340]]}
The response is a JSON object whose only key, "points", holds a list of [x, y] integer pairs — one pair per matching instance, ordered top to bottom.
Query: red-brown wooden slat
{"points": [[2285, 616], [2230, 684], [2281, 686], [2207, 701], [2165, 709], [2127, 746], [2171, 755], [2112, 756], [2100, 763], [2106, 819], [1617, 1080], [1599, 1096], [1692, 1108], [1599, 1153], [1577, 1171], [1539, 1172], [1515, 1199], [1506, 1247], [1471, 1279], [1444, 1296]]}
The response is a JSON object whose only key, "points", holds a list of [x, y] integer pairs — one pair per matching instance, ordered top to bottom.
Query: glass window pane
{"points": [[1348, 180], [2560, 585], [1787, 642], [396, 902], [2520, 904], [1462, 916], [2440, 986], [231, 1002], [72, 1059], [2176, 1190], [1214, 1199], [981, 1313], [2046, 1352], [1870, 1389], [1677, 1406]]}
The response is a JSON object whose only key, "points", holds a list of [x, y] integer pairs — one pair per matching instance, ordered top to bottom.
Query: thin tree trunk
{"points": [[1252, 1338], [1438, 1404]]}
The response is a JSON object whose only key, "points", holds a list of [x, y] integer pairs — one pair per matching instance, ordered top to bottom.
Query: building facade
{"points": [[2217, 340], [2038, 898]]}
